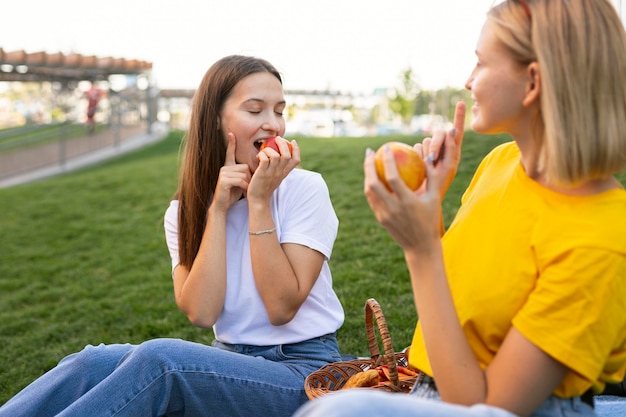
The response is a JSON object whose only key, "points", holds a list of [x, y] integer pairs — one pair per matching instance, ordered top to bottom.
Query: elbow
{"points": [[282, 310], [281, 316], [198, 319], [280, 320], [200, 322]]}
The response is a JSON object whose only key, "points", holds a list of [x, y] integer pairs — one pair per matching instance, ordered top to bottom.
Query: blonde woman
{"points": [[521, 302]]}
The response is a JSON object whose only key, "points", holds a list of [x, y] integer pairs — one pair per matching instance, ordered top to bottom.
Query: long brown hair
{"points": [[204, 148]]}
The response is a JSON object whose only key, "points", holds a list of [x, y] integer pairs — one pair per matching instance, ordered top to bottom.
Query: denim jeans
{"points": [[171, 377], [424, 401]]}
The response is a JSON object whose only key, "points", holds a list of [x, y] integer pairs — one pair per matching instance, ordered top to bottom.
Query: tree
{"points": [[423, 102], [403, 103]]}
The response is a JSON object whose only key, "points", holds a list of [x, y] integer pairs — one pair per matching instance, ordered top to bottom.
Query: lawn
{"points": [[83, 257]]}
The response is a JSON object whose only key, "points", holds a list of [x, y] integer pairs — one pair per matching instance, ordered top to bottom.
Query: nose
{"points": [[470, 80], [271, 123]]}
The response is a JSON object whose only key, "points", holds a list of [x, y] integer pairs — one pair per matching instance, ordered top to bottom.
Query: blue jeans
{"points": [[171, 377], [424, 401]]}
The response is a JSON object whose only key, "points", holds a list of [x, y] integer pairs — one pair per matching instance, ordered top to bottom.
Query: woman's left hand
{"points": [[445, 149], [272, 169]]}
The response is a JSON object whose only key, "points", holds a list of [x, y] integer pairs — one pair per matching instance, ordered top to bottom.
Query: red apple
{"points": [[271, 142], [410, 165]]}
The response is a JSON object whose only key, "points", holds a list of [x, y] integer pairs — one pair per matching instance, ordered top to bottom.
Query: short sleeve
{"points": [[308, 217], [171, 232], [576, 313]]}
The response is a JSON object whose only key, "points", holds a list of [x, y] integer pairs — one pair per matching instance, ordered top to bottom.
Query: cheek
{"points": [[482, 88], [234, 125], [240, 126]]}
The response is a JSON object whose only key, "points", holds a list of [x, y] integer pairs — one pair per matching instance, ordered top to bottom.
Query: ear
{"points": [[533, 88]]}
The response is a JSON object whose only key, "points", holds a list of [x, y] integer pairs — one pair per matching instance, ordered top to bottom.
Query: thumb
{"points": [[230, 150]]}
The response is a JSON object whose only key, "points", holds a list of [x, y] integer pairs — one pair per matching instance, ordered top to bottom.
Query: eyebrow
{"points": [[258, 100]]}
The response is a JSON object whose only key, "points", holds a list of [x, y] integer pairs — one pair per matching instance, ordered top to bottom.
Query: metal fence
{"points": [[34, 147]]}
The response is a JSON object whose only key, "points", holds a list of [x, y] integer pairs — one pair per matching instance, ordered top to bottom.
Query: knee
{"points": [[156, 353], [96, 358]]}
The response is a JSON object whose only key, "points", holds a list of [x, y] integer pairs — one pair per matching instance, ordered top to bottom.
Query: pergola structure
{"points": [[65, 68], [125, 97]]}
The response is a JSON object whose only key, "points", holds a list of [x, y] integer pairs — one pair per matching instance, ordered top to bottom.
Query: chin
{"points": [[477, 127]]}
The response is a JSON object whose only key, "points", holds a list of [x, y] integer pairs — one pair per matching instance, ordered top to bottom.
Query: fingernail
{"points": [[453, 132], [368, 151], [430, 158]]}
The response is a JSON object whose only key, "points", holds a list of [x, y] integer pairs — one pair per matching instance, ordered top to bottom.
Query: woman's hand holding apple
{"points": [[277, 158]]}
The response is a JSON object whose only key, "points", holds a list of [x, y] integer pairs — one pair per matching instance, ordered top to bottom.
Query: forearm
{"points": [[274, 275], [201, 289], [456, 370]]}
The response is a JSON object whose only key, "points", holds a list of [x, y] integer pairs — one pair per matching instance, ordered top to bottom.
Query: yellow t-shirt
{"points": [[553, 266]]}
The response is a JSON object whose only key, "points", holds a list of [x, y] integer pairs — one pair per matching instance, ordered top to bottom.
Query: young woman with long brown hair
{"points": [[249, 236]]}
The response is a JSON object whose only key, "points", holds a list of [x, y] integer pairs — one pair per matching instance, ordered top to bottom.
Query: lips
{"points": [[475, 106], [259, 143]]}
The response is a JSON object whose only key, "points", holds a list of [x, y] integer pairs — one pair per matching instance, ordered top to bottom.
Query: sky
{"points": [[347, 45]]}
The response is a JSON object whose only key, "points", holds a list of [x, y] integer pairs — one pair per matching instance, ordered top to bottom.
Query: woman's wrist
{"points": [[258, 204], [216, 212], [260, 218], [262, 232], [424, 252]]}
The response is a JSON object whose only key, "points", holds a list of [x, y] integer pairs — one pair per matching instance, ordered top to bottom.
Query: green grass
{"points": [[83, 258]]}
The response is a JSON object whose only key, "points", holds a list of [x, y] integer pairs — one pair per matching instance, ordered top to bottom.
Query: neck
{"points": [[529, 159], [590, 187]]}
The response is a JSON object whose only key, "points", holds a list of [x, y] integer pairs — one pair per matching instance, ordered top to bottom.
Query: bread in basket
{"points": [[333, 376]]}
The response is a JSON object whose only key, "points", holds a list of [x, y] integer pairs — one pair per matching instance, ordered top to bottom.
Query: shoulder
{"points": [[508, 151], [503, 157], [494, 169], [300, 174], [302, 180], [172, 210], [171, 215], [597, 221]]}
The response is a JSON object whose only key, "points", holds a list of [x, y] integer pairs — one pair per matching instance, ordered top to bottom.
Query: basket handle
{"points": [[372, 308]]}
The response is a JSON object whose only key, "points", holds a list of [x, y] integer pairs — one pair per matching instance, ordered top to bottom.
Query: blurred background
{"points": [[112, 72]]}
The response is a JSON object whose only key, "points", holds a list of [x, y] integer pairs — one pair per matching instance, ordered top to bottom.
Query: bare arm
{"points": [[284, 274], [200, 290]]}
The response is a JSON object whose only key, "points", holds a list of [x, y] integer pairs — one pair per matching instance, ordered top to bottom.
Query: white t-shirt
{"points": [[303, 214]]}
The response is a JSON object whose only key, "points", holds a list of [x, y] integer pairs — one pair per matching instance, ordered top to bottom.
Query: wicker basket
{"points": [[333, 376]]}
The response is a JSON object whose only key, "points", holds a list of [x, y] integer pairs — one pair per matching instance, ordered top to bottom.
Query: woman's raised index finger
{"points": [[459, 122], [230, 150]]}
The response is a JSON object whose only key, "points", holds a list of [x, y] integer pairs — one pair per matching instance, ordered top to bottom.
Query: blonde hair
{"points": [[580, 47]]}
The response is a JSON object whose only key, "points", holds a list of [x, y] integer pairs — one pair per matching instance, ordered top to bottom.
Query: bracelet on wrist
{"points": [[263, 232]]}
